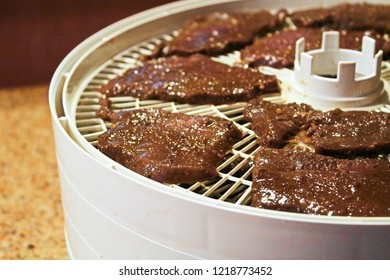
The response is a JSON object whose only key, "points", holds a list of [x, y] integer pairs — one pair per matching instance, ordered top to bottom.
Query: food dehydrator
{"points": [[114, 213]]}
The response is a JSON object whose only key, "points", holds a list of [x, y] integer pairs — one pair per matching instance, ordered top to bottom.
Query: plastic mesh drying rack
{"points": [[234, 180]]}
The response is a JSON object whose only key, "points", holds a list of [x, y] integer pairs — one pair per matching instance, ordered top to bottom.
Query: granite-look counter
{"points": [[31, 220]]}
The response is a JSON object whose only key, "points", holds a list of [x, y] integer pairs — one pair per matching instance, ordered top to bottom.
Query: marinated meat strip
{"points": [[346, 16], [219, 32], [278, 50], [196, 79], [104, 111], [275, 124], [335, 132], [349, 133], [168, 147], [302, 182]]}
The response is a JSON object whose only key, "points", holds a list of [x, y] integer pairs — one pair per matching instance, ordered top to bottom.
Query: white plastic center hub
{"points": [[334, 77]]}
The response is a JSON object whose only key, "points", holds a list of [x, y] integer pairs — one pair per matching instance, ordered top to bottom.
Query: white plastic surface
{"points": [[357, 82], [120, 242], [76, 244]]}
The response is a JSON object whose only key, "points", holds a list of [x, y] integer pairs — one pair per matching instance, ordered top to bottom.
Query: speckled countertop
{"points": [[31, 221]]}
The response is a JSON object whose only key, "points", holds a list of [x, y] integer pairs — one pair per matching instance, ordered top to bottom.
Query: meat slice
{"points": [[346, 16], [219, 32], [278, 50], [196, 79], [104, 111], [275, 124], [349, 133], [352, 133], [168, 147], [302, 182]]}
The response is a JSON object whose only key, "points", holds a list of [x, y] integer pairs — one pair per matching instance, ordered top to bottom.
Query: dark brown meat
{"points": [[346, 16], [219, 32], [278, 50], [196, 79], [104, 111], [275, 124], [334, 132], [349, 133], [168, 147], [302, 182]]}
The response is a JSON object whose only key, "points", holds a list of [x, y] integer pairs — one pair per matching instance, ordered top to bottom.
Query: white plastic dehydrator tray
{"points": [[113, 213]]}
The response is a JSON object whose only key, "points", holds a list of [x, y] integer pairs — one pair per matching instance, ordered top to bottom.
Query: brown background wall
{"points": [[35, 35]]}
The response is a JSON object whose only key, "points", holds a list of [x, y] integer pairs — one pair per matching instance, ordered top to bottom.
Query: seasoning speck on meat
{"points": [[196, 80], [168, 147], [303, 182]]}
